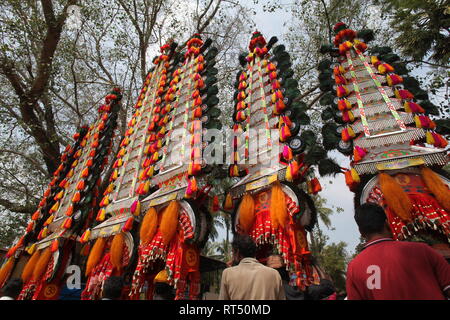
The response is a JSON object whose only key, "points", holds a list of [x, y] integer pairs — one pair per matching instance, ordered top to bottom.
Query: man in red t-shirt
{"points": [[394, 270]]}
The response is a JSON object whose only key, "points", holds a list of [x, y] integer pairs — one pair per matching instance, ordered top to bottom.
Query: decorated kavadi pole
{"points": [[379, 117], [272, 155], [72, 207], [176, 223], [113, 237]]}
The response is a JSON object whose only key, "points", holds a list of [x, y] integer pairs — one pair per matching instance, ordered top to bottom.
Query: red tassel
{"points": [[85, 173], [80, 185], [76, 197], [69, 211], [36, 215], [68, 223], [128, 225], [55, 245]]}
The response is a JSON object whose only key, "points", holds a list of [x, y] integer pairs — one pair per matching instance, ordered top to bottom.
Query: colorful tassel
{"points": [[385, 68], [393, 79], [342, 91], [403, 94], [412, 107], [285, 133], [359, 153], [80, 185], [436, 186], [396, 198], [228, 202], [135, 208], [278, 208], [69, 211], [246, 213], [36, 215], [101, 215], [169, 221], [68, 223], [149, 226], [85, 236], [54, 246], [116, 251], [95, 255], [42, 264], [29, 267], [6, 270]]}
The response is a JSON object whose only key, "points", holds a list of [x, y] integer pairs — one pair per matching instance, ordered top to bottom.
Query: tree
{"points": [[423, 28], [53, 77], [331, 257]]}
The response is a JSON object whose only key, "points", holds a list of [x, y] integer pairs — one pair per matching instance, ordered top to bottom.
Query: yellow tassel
{"points": [[350, 131], [429, 137], [288, 175], [355, 176], [435, 184], [396, 199], [228, 202], [54, 207], [278, 208], [246, 213], [49, 220], [169, 221], [149, 226], [85, 236], [32, 249], [117, 251], [95, 255], [42, 264], [29, 267], [6, 270]]}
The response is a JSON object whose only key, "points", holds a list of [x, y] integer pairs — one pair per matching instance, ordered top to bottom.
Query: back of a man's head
{"points": [[371, 219], [244, 245], [13, 288], [112, 288]]}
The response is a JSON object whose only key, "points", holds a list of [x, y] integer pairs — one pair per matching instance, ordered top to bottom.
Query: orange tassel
{"points": [[85, 173], [80, 185], [437, 187], [76, 197], [395, 197], [228, 202], [278, 208], [246, 213], [36, 215], [169, 221], [68, 223], [128, 225], [149, 226], [54, 246], [117, 251], [95, 255], [42, 264], [29, 267], [6, 270]]}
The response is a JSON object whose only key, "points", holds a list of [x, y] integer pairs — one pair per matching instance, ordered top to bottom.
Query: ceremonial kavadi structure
{"points": [[379, 117]]}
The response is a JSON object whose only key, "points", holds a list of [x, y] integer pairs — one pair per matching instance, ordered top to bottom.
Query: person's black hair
{"points": [[370, 219], [244, 245], [284, 274], [13, 288], [112, 288], [163, 291], [321, 291]]}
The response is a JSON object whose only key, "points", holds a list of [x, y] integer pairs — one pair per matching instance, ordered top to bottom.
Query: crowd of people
{"points": [[384, 270]]}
